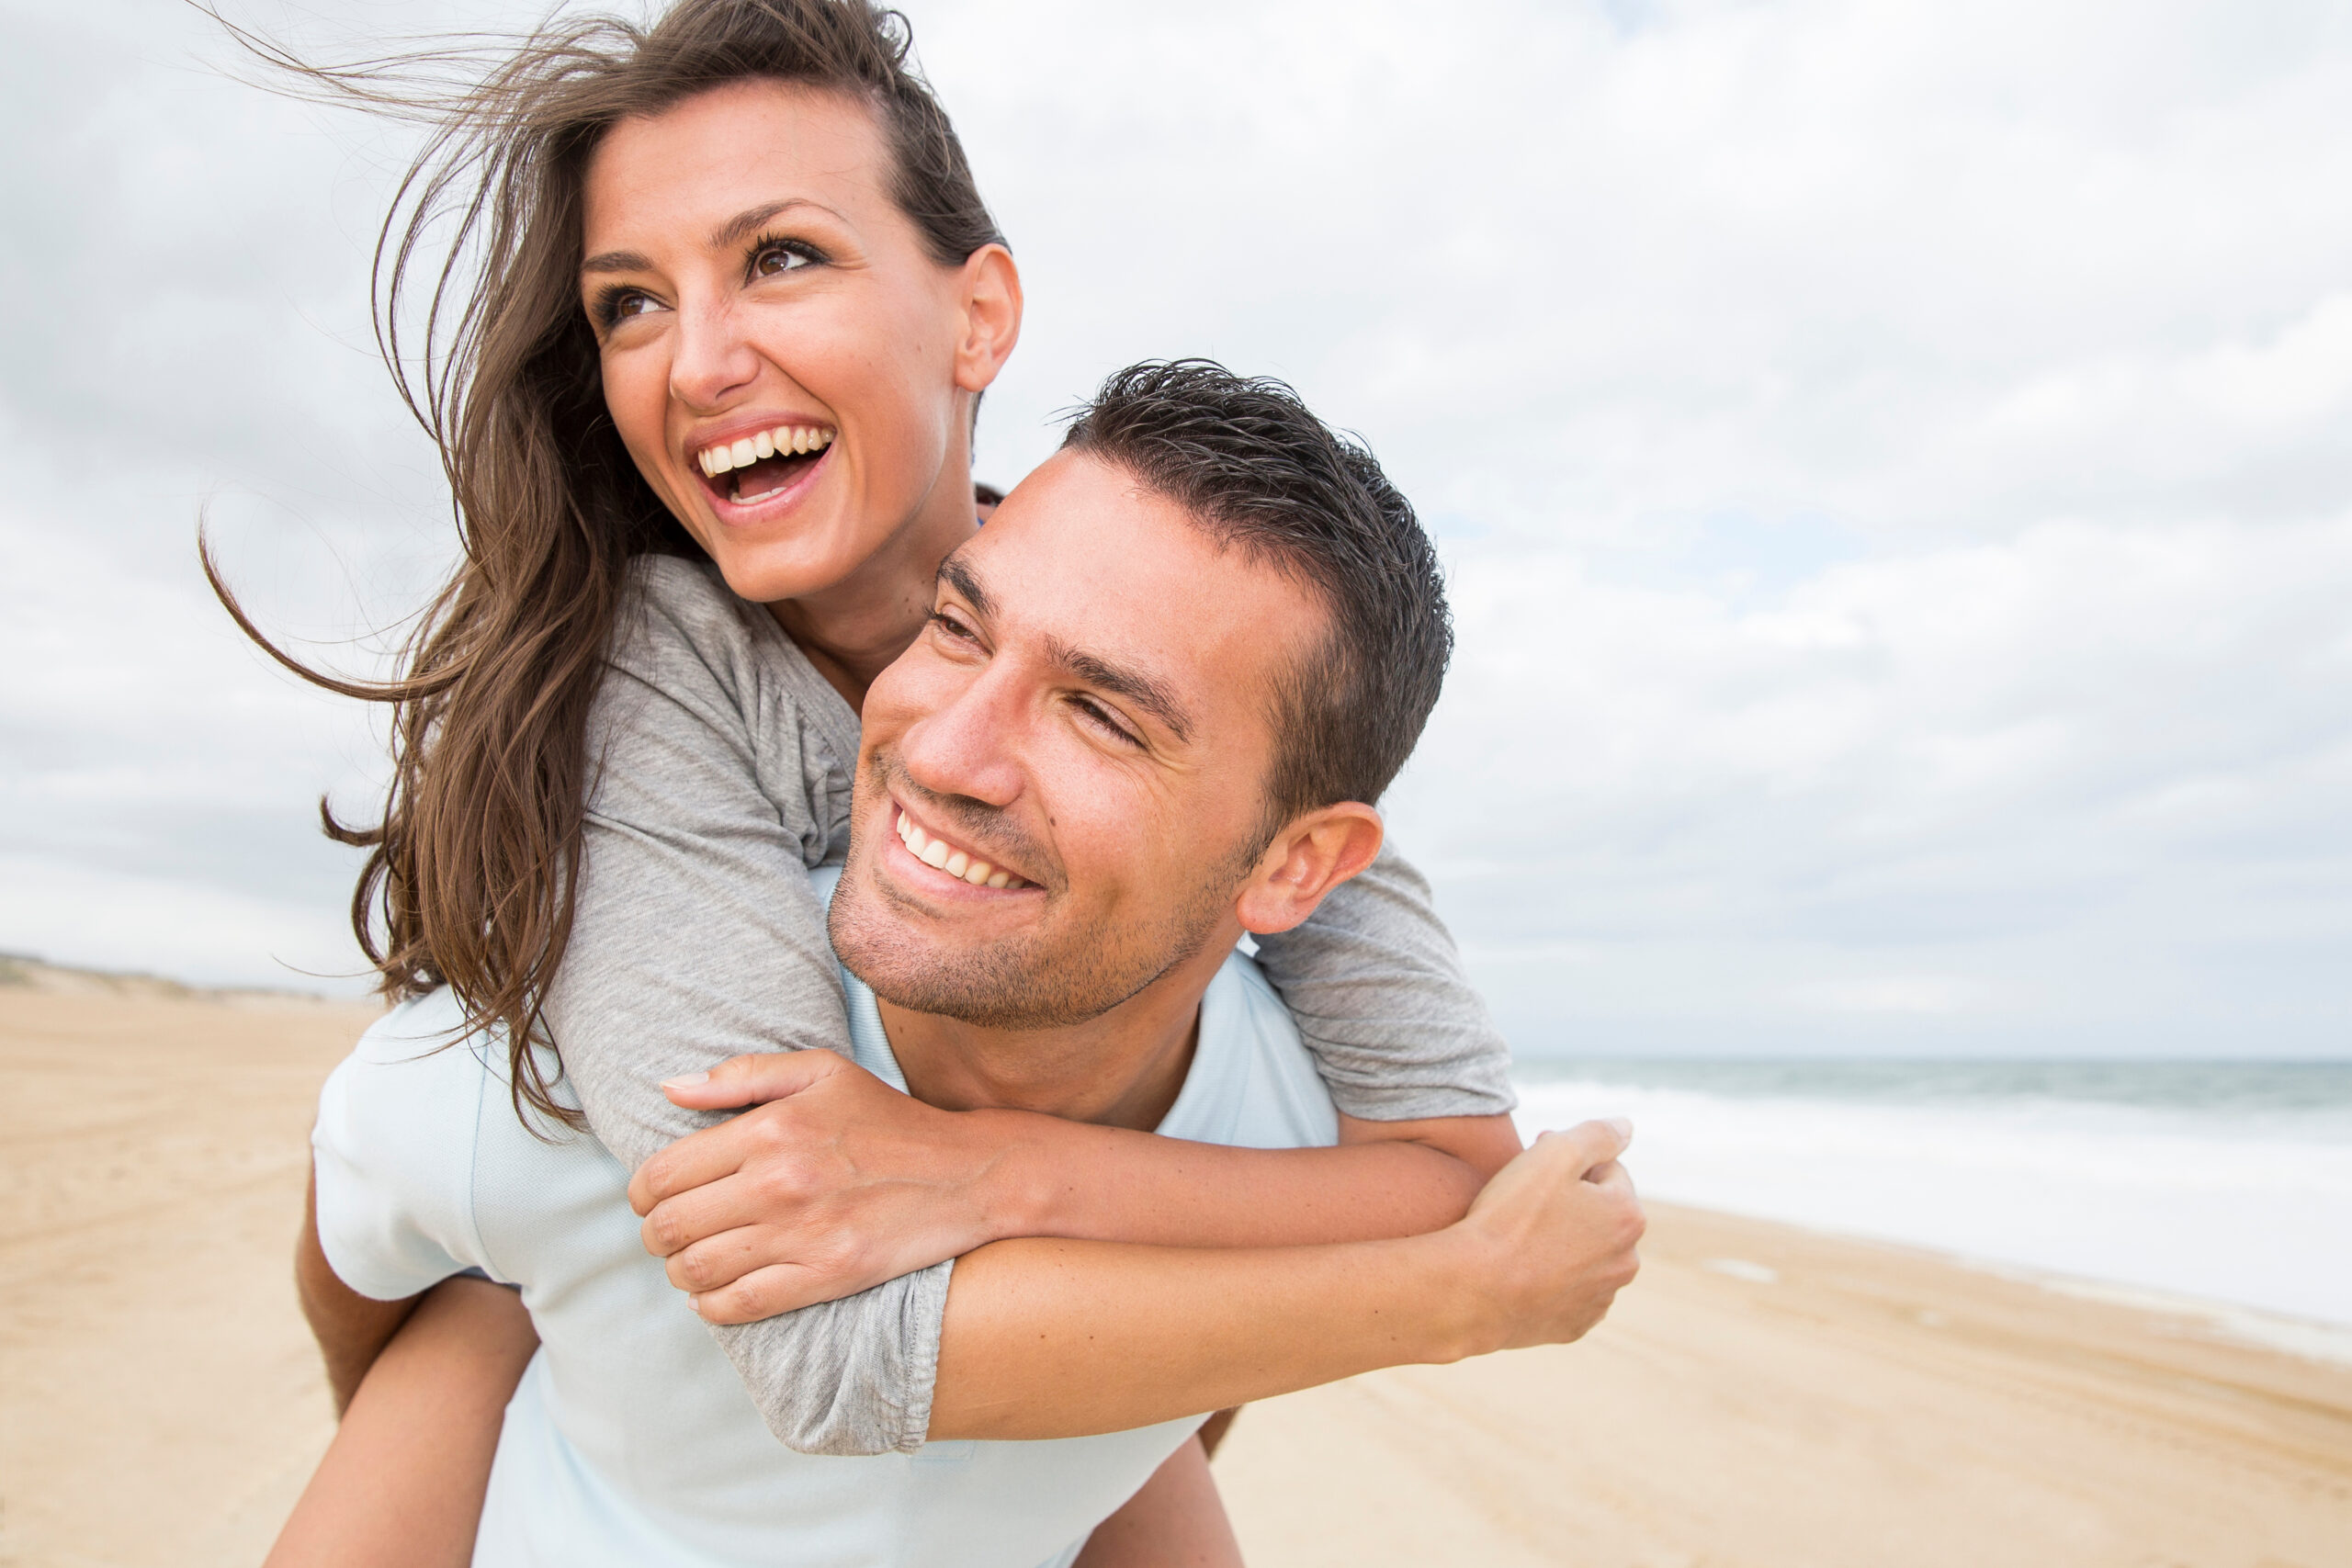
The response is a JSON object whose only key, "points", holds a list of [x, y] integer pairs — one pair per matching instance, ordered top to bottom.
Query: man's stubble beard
{"points": [[1066, 978]]}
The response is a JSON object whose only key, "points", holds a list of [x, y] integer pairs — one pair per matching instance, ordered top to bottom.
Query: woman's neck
{"points": [[852, 631]]}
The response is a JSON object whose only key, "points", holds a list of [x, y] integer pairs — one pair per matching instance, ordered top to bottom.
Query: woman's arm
{"points": [[722, 777], [1377, 986], [837, 1182], [1063, 1338], [401, 1485]]}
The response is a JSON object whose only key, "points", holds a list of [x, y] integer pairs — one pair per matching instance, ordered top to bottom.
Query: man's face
{"points": [[1085, 725]]}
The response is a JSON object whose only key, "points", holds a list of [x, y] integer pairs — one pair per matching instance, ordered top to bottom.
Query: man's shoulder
{"points": [[420, 1072], [1254, 1082]]}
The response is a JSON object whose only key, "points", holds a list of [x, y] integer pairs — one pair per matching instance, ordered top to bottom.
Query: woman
{"points": [[738, 300]]}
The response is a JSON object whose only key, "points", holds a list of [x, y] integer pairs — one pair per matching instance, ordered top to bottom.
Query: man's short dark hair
{"points": [[1254, 467]]}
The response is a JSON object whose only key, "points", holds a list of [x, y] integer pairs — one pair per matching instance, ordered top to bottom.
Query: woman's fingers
{"points": [[751, 1080], [783, 1139], [1589, 1144], [692, 1162], [729, 1203], [1558, 1228], [764, 1293]]}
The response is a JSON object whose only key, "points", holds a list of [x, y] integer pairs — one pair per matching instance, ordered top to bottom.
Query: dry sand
{"points": [[1822, 1402]]}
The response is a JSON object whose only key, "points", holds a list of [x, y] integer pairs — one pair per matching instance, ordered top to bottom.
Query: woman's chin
{"points": [[766, 571]]}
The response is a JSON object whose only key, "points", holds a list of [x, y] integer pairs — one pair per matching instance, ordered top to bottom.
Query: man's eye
{"points": [[949, 626], [1100, 717]]}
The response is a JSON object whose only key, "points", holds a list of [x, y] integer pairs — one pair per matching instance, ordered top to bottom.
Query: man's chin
{"points": [[1002, 982], [990, 989]]}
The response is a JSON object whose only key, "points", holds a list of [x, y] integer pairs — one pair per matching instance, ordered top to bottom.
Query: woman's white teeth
{"points": [[788, 439], [953, 862]]}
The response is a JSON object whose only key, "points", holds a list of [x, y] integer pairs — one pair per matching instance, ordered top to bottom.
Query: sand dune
{"points": [[1762, 1397]]}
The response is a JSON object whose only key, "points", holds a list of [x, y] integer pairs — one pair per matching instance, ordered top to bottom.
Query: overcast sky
{"points": [[1892, 461]]}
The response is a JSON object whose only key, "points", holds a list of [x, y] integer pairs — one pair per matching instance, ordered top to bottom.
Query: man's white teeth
{"points": [[789, 439], [953, 862]]}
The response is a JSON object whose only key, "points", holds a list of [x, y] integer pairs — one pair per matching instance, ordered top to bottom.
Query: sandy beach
{"points": [[1762, 1397]]}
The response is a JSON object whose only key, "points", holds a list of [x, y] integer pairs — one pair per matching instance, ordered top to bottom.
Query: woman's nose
{"points": [[713, 359]]}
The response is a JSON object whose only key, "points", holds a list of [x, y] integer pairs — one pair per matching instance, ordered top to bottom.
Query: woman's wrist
{"points": [[1014, 1187], [1452, 1301]]}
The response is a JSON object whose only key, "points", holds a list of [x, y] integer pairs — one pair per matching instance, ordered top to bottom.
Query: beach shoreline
{"points": [[1764, 1395]]}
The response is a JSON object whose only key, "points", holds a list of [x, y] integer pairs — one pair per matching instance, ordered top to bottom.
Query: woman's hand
{"points": [[837, 1182], [833, 1183], [1551, 1241]]}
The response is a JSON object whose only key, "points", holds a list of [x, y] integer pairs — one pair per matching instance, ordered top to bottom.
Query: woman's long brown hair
{"points": [[471, 870]]}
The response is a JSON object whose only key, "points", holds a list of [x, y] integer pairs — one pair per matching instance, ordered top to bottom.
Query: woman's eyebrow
{"points": [[748, 221], [734, 232], [616, 261]]}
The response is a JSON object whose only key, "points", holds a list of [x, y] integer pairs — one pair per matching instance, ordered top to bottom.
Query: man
{"points": [[1118, 705]]}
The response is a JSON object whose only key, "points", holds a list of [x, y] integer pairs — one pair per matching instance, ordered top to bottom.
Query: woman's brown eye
{"points": [[777, 259]]}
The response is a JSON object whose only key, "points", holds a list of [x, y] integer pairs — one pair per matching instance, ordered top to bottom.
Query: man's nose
{"points": [[714, 360], [971, 744]]}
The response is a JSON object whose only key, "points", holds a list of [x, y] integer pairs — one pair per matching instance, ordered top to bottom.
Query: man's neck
{"points": [[1123, 1069]]}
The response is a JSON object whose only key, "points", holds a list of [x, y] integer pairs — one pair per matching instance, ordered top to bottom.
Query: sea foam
{"points": [[2241, 1199]]}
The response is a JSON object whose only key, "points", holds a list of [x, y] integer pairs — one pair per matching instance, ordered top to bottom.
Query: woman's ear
{"points": [[990, 286], [1311, 856]]}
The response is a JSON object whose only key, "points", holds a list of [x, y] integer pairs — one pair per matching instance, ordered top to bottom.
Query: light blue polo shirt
{"points": [[630, 1441]]}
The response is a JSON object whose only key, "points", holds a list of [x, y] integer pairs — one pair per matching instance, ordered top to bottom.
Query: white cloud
{"points": [[1890, 454]]}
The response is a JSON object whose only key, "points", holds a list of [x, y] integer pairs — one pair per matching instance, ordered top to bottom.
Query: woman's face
{"points": [[791, 369]]}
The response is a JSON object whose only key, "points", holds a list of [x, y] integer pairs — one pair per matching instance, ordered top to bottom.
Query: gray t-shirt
{"points": [[720, 764]]}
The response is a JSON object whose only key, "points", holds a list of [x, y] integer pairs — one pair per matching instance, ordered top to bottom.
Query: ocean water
{"points": [[2227, 1182]]}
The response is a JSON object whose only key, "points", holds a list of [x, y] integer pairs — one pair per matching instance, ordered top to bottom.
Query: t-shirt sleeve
{"points": [[718, 784], [1378, 990], [393, 1150]]}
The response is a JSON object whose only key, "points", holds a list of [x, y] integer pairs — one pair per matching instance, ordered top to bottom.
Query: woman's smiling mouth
{"points": [[762, 465]]}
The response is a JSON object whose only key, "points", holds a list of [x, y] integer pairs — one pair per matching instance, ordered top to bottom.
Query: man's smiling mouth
{"points": [[753, 468], [942, 855]]}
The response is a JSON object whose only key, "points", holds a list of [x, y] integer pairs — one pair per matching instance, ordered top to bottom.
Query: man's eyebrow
{"points": [[734, 232], [957, 574], [1139, 688], [1146, 694]]}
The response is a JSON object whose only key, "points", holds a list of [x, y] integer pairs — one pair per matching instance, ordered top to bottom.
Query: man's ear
{"points": [[991, 301], [1311, 856]]}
